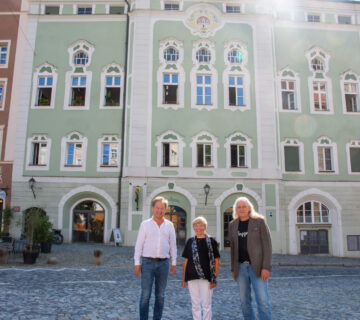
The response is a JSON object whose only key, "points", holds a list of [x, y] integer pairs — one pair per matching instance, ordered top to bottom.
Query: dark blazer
{"points": [[258, 244]]}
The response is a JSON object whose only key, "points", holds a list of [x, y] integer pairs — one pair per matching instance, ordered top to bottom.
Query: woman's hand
{"points": [[184, 284], [212, 285]]}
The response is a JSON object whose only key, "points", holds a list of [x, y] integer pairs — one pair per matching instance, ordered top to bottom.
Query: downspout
{"points": [[122, 148]]}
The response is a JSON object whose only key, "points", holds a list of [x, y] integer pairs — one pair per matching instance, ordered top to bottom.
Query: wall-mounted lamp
{"points": [[32, 186], [206, 190], [137, 196]]}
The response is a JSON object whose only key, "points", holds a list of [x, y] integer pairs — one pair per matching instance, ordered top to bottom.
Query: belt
{"points": [[156, 259], [245, 262]]}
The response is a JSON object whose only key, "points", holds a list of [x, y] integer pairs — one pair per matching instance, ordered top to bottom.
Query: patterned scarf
{"points": [[196, 259]]}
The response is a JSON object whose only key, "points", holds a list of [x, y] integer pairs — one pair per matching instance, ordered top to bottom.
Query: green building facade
{"points": [[198, 101]]}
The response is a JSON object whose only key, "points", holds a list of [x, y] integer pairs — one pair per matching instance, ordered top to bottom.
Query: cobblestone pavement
{"points": [[75, 289]]}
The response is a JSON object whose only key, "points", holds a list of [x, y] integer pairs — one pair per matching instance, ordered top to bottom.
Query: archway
{"points": [[177, 216]]}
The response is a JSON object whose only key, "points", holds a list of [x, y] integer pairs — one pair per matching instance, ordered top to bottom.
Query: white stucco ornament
{"points": [[203, 20]]}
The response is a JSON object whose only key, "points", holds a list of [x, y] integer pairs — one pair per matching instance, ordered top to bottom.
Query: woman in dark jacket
{"points": [[251, 257], [201, 267]]}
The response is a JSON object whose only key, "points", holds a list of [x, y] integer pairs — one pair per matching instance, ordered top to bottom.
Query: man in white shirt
{"points": [[156, 242]]}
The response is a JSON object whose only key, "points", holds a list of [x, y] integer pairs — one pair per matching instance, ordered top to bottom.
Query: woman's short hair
{"points": [[161, 199], [252, 213], [199, 220]]}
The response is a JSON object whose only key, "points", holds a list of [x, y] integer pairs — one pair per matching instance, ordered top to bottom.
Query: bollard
{"points": [[98, 255]]}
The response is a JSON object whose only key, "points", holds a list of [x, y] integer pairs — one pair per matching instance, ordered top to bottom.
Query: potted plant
{"points": [[5, 219], [32, 219], [44, 234]]}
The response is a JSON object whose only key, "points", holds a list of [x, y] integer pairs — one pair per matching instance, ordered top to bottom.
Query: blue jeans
{"points": [[153, 270], [247, 278]]}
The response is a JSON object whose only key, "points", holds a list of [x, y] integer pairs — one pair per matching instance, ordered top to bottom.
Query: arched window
{"points": [[171, 54], [203, 55], [235, 56], [81, 58], [317, 64], [312, 212]]}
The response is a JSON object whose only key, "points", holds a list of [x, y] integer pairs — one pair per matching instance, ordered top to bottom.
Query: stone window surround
{"points": [[8, 45], [104, 74], [296, 79], [4, 82], [342, 85], [38, 138], [113, 138], [163, 138], [64, 142], [246, 142], [320, 142], [293, 143], [351, 144], [214, 146]]}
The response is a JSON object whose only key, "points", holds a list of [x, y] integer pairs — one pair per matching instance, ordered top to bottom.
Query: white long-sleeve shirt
{"points": [[156, 242]]}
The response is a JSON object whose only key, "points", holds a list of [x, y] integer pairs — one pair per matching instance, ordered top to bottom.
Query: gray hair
{"points": [[253, 214], [200, 220]]}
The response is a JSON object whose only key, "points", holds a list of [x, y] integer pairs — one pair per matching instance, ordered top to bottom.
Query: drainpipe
{"points": [[123, 116]]}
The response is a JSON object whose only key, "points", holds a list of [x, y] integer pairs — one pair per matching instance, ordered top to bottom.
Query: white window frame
{"points": [[178, 2], [233, 4], [84, 5], [43, 6], [107, 7], [345, 15], [321, 16], [6, 43], [204, 69], [236, 69], [78, 71], [110, 71], [38, 73], [287, 74], [350, 77], [3, 98], [170, 136], [204, 137], [38, 138], [71, 138], [238, 138], [108, 139], [290, 142], [325, 142], [351, 144], [312, 213]]}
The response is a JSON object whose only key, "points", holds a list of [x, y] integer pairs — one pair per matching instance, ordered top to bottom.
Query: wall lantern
{"points": [[32, 186], [206, 190]]}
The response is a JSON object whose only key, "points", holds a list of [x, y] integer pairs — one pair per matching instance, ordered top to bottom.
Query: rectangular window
{"points": [[171, 6], [52, 9], [233, 9], [84, 10], [116, 10], [313, 18], [344, 19], [3, 54], [170, 86], [44, 90], [203, 90], [78, 91], [112, 91], [236, 91], [2, 95], [288, 95], [320, 96], [351, 97], [110, 153], [39, 154], [170, 154], [73, 155], [204, 155], [237, 156], [292, 156], [325, 159], [355, 159], [353, 243]]}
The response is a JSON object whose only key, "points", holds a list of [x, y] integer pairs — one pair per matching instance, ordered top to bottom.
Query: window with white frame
{"points": [[174, 5], [232, 8], [53, 9], [84, 10], [116, 10], [312, 17], [344, 19], [4, 53], [171, 76], [203, 76], [236, 78], [78, 80], [3, 85], [44, 86], [320, 86], [111, 87], [289, 87], [350, 92], [288, 95], [73, 148], [204, 148], [170, 149], [238, 150], [38, 152], [109, 153], [292, 156], [325, 156], [353, 156], [312, 212]]}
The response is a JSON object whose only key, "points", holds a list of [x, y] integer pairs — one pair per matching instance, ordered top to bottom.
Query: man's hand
{"points": [[137, 270], [172, 270], [265, 274], [233, 275], [184, 284], [212, 285]]}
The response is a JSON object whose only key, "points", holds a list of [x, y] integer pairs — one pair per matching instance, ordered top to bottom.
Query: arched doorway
{"points": [[177, 216], [227, 219], [88, 222]]}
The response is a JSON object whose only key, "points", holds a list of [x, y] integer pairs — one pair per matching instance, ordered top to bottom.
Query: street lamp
{"points": [[32, 186], [206, 190]]}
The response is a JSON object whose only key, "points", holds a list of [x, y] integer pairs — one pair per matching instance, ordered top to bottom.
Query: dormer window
{"points": [[171, 54], [203, 55], [235, 56], [81, 58], [317, 64]]}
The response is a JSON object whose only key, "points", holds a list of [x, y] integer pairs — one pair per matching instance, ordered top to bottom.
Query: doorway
{"points": [[177, 216], [227, 219], [88, 222], [314, 241]]}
